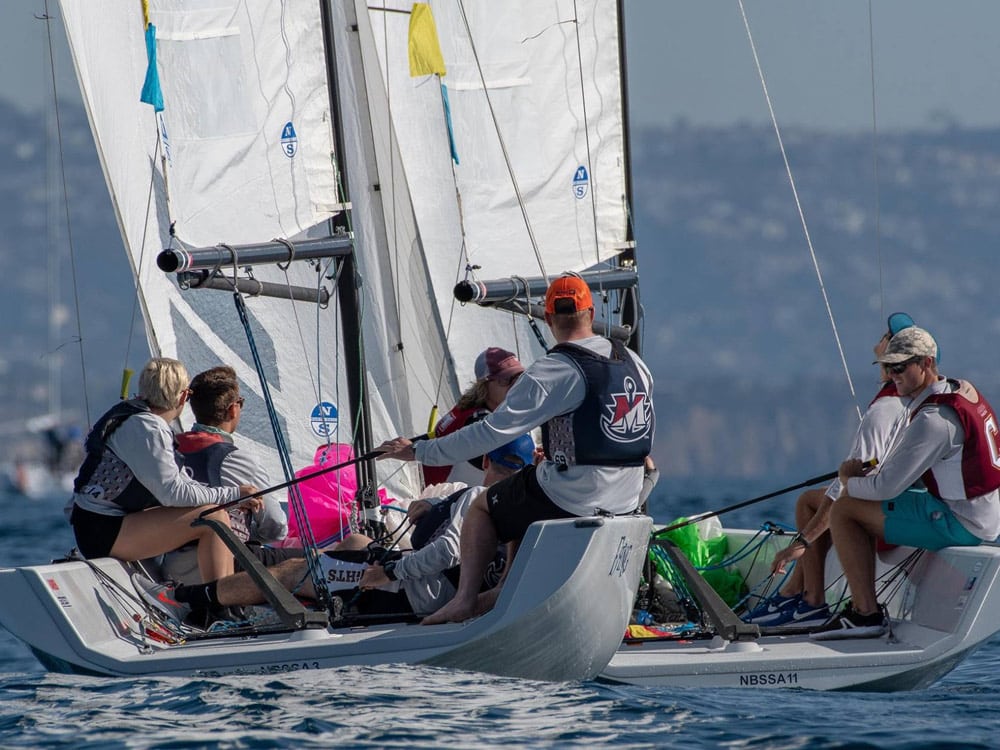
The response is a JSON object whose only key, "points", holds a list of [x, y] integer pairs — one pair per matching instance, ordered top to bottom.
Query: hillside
{"points": [[749, 377]]}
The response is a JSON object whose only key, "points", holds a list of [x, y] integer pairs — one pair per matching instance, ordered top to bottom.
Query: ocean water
{"points": [[404, 706]]}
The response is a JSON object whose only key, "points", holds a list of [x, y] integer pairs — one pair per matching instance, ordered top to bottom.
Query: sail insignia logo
{"points": [[289, 141], [581, 181], [629, 414], [324, 419]]}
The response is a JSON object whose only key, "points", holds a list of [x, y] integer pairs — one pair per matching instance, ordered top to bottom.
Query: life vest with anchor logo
{"points": [[614, 424], [105, 476]]}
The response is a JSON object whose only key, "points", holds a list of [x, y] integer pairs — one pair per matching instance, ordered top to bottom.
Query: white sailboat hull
{"points": [[947, 607], [560, 617]]}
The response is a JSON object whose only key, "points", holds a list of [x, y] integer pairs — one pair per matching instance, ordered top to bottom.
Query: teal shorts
{"points": [[918, 519]]}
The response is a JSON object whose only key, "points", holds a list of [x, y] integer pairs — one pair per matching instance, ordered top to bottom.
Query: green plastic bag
{"points": [[705, 545]]}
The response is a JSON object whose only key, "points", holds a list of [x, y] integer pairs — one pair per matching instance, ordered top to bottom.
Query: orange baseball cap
{"points": [[568, 294]]}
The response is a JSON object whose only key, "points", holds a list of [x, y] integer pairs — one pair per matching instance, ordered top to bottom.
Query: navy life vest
{"points": [[614, 424], [203, 454], [103, 474], [432, 523]]}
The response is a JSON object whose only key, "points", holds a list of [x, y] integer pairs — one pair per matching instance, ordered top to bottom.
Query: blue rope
{"points": [[296, 501]]}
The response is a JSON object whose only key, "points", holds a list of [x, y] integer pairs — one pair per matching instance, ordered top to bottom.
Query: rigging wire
{"points": [[65, 194], [798, 205], [311, 554]]}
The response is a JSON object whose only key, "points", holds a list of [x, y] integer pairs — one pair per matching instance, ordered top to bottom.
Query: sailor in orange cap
{"points": [[592, 398]]}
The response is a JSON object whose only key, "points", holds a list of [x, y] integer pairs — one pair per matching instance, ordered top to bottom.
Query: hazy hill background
{"points": [[749, 377]]}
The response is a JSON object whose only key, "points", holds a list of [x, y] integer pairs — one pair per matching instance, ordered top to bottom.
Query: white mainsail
{"points": [[243, 153]]}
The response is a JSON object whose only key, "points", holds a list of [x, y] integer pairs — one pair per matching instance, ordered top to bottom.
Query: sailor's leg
{"points": [[854, 525], [157, 530], [352, 542], [477, 548], [215, 559], [813, 561], [240, 589], [488, 599]]}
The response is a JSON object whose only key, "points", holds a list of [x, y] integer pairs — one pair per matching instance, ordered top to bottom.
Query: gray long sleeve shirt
{"points": [[552, 386]]}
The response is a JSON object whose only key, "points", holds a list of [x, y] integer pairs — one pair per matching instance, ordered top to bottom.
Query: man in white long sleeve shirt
{"points": [[593, 399], [951, 446], [211, 456], [425, 575], [801, 600]]}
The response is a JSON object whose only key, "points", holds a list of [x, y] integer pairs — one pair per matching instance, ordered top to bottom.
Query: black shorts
{"points": [[517, 502], [95, 532]]}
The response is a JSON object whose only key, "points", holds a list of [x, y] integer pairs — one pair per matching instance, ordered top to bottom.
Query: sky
{"points": [[935, 62]]}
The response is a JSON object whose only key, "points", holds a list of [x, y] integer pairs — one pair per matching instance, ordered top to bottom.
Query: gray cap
{"points": [[909, 343]]}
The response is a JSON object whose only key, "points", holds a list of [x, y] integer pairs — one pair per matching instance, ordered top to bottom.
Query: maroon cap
{"points": [[496, 362]]}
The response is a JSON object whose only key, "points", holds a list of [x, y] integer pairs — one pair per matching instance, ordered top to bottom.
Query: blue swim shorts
{"points": [[918, 519]]}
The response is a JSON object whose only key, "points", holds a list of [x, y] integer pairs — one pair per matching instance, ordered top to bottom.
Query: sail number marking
{"points": [[769, 679]]}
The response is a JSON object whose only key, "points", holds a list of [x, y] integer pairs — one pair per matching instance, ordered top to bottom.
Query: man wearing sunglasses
{"points": [[951, 446], [211, 457], [801, 599]]}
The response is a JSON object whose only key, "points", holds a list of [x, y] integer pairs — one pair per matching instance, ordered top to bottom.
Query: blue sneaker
{"points": [[772, 607], [803, 614]]}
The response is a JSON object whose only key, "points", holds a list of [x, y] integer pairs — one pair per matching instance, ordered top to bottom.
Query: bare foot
{"points": [[487, 600], [453, 611]]}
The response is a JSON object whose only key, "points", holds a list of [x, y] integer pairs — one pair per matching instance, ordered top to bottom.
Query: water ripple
{"points": [[422, 707]]}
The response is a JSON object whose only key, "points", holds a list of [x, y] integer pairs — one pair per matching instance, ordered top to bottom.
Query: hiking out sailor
{"points": [[496, 371], [593, 399], [951, 446], [211, 456], [131, 500], [418, 581], [801, 599]]}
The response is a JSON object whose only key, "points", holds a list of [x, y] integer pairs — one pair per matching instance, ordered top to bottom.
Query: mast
{"points": [[349, 283], [631, 310]]}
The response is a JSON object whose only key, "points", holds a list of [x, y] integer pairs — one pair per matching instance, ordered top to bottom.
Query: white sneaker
{"points": [[161, 597]]}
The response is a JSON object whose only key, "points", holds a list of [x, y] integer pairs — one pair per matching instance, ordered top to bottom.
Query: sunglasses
{"points": [[900, 367], [239, 402]]}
